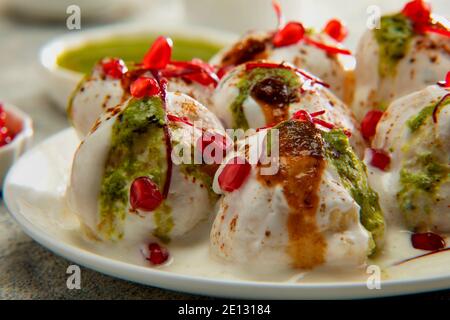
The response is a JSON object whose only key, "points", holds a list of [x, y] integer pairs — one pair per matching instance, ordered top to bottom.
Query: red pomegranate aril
{"points": [[418, 11], [335, 29], [290, 34], [159, 54], [114, 68], [223, 71], [446, 82], [144, 87], [2, 116], [369, 123], [5, 136], [218, 142], [380, 159], [234, 174], [145, 195], [427, 241], [157, 254]]}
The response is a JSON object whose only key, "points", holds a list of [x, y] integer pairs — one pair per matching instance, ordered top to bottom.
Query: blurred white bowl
{"points": [[56, 9], [239, 15], [61, 81], [18, 121]]}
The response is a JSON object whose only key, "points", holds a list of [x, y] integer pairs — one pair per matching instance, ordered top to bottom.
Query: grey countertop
{"points": [[27, 270]]}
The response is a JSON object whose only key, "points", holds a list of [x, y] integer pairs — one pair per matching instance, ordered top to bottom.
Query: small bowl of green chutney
{"points": [[68, 58]]}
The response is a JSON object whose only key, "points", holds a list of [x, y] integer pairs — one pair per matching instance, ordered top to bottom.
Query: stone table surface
{"points": [[27, 270]]}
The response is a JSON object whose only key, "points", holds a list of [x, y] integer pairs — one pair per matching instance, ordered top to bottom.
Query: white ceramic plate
{"points": [[61, 81], [33, 193]]}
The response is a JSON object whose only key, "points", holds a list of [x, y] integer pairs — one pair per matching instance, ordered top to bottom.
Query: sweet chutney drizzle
{"points": [[302, 164]]}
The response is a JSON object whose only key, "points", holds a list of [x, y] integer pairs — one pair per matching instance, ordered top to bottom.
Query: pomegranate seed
{"points": [[418, 11], [335, 29], [290, 34], [327, 48], [159, 54], [114, 68], [223, 71], [446, 82], [144, 87], [2, 116], [369, 123], [5, 136], [218, 142], [380, 159], [234, 175], [145, 194], [427, 241], [157, 254]]}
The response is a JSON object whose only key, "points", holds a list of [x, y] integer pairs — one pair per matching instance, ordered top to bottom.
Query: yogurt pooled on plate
{"points": [[409, 51], [414, 133], [125, 184], [317, 209]]}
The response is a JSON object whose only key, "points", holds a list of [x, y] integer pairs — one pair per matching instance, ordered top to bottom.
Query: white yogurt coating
{"points": [[426, 62], [334, 69], [193, 89], [97, 93], [313, 97], [395, 136], [188, 198], [251, 226]]}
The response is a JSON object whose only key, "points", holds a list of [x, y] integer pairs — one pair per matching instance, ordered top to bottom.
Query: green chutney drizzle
{"points": [[393, 37], [137, 149], [423, 172], [352, 173]]}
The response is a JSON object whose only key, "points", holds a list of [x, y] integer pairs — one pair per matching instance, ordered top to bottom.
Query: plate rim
{"points": [[202, 285]]}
